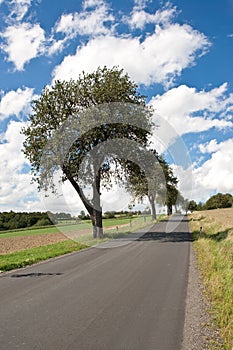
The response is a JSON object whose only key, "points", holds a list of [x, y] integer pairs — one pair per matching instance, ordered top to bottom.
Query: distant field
{"points": [[64, 227], [82, 232], [21, 248]]}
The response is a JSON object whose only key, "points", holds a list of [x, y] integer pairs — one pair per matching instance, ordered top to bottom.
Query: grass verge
{"points": [[214, 249], [34, 255]]}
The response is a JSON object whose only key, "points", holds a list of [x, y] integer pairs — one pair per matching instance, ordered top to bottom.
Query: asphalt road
{"points": [[130, 297]]}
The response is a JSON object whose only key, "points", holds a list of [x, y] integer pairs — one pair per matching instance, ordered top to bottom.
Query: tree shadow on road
{"points": [[163, 237]]}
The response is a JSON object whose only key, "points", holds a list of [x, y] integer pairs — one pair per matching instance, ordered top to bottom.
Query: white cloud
{"points": [[92, 3], [140, 4], [18, 9], [139, 17], [85, 23], [23, 42], [56, 46], [158, 59], [15, 103], [188, 110], [209, 147], [216, 173], [213, 176], [16, 191]]}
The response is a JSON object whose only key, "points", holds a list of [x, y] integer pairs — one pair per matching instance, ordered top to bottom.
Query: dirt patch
{"points": [[15, 244]]}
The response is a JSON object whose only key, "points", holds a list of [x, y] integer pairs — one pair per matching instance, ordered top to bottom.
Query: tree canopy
{"points": [[70, 128], [158, 183], [217, 201], [11, 220]]}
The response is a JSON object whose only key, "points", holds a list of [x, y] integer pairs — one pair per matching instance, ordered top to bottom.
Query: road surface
{"points": [[130, 297]]}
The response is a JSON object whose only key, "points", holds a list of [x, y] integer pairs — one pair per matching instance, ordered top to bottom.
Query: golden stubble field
{"points": [[223, 217]]}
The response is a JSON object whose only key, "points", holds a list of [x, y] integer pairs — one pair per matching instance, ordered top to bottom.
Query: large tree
{"points": [[70, 126], [158, 183]]}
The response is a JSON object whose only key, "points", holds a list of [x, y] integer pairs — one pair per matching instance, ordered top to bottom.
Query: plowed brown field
{"points": [[15, 244]]}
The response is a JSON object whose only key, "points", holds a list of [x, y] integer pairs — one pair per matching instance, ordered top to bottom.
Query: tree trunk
{"points": [[153, 209], [169, 209], [97, 210], [94, 212], [97, 224]]}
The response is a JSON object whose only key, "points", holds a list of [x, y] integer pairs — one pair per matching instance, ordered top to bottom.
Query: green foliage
{"points": [[66, 99], [158, 185], [216, 201], [219, 201], [192, 206], [201, 206], [109, 214], [83, 216], [11, 220], [43, 222]]}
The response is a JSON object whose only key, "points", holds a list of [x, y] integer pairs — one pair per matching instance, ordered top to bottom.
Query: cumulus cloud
{"points": [[92, 3], [140, 4], [18, 9], [139, 17], [95, 19], [85, 23], [23, 42], [158, 59], [16, 103], [188, 110], [209, 147], [216, 172], [213, 176], [16, 191]]}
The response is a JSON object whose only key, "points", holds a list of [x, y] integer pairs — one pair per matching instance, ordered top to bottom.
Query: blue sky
{"points": [[180, 53]]}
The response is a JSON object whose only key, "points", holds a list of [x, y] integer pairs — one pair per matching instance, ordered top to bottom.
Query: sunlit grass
{"points": [[34, 255], [215, 259]]}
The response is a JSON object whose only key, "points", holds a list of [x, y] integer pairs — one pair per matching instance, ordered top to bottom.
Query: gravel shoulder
{"points": [[198, 327]]}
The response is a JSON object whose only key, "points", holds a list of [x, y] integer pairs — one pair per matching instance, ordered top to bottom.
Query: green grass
{"points": [[30, 232], [34, 255], [215, 260]]}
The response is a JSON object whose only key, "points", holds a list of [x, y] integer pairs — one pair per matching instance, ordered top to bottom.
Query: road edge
{"points": [[198, 328]]}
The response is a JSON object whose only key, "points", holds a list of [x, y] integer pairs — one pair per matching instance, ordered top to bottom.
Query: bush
{"points": [[43, 222]]}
